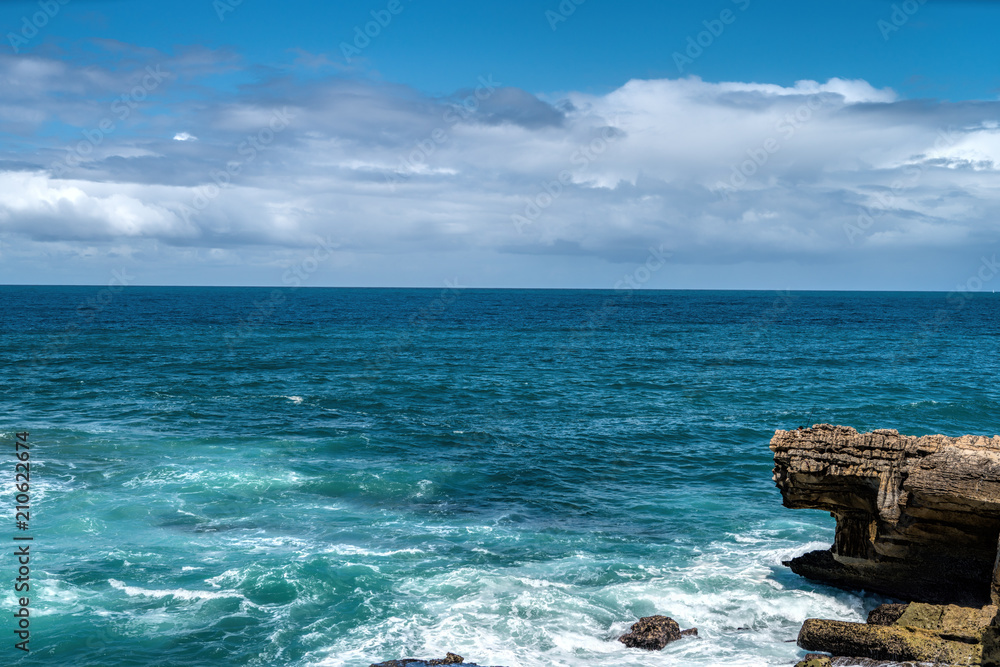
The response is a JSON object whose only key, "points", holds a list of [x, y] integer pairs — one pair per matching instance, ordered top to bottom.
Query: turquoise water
{"points": [[337, 477]]}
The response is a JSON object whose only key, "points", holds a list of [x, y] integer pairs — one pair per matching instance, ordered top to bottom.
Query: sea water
{"points": [[259, 476]]}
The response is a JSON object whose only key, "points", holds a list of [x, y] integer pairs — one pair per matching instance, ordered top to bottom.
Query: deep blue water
{"points": [[341, 476]]}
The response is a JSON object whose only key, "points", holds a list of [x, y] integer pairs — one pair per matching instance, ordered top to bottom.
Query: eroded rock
{"points": [[917, 518], [886, 614], [652, 633], [937, 634], [880, 642], [449, 659], [815, 660]]}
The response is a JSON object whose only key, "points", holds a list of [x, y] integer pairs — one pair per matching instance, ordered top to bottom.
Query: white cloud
{"points": [[720, 172], [36, 205]]}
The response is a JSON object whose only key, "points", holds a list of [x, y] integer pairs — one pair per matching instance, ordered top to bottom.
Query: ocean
{"points": [[335, 477]]}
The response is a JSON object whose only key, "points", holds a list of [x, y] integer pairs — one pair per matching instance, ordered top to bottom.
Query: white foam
{"points": [[253, 479], [283, 543], [351, 550], [229, 576], [177, 593], [537, 614]]}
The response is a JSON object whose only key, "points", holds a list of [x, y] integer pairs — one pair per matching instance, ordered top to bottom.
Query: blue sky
{"points": [[779, 145]]}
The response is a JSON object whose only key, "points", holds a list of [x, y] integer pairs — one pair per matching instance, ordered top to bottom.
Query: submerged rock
{"points": [[917, 518], [654, 632], [449, 659]]}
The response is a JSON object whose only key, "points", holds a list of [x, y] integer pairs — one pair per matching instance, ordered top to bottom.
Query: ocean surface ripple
{"points": [[343, 476]]}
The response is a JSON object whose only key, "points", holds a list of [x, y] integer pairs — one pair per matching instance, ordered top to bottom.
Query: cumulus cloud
{"points": [[718, 172]]}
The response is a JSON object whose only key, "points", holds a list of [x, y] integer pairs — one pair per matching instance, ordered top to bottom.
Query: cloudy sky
{"points": [[524, 143]]}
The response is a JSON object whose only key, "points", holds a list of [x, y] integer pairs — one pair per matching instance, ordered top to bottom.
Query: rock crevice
{"points": [[918, 518]]}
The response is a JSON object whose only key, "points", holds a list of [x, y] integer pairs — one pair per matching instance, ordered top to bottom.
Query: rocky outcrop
{"points": [[918, 518], [886, 614], [653, 633], [940, 635], [449, 659], [815, 660]]}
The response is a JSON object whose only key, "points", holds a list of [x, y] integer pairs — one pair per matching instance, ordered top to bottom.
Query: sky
{"points": [[731, 144]]}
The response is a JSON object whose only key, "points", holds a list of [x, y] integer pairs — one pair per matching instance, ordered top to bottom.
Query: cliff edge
{"points": [[918, 518]]}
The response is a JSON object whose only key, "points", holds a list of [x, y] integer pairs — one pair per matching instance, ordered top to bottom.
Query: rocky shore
{"points": [[918, 518], [650, 633], [449, 659]]}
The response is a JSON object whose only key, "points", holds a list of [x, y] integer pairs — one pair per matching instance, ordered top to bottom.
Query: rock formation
{"points": [[918, 518], [886, 614], [654, 632], [940, 635], [449, 659]]}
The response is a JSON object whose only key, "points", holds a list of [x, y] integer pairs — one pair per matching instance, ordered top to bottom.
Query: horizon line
{"points": [[481, 288]]}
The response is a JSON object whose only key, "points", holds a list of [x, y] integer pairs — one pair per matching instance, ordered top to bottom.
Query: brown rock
{"points": [[917, 518], [886, 614], [963, 624], [652, 633], [939, 634], [886, 643], [449, 659], [815, 660]]}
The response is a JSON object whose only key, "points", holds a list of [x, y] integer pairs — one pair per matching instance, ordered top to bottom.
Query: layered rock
{"points": [[918, 518], [936, 634], [946, 635]]}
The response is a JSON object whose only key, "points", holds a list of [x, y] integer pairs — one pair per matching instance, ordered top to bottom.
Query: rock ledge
{"points": [[917, 518], [923, 633]]}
